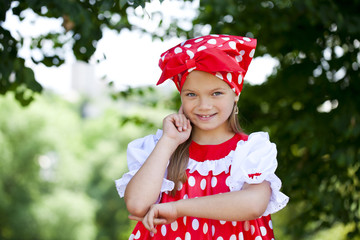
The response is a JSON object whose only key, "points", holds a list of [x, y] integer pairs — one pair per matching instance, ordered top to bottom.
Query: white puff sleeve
{"points": [[137, 153], [254, 161]]}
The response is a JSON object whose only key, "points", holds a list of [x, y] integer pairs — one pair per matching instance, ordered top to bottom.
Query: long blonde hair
{"points": [[180, 158]]}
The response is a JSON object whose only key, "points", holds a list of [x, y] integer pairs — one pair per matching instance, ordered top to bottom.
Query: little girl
{"points": [[201, 177]]}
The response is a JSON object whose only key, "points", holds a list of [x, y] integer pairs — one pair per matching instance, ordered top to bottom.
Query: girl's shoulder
{"points": [[252, 138], [148, 141], [139, 149], [255, 149], [255, 157]]}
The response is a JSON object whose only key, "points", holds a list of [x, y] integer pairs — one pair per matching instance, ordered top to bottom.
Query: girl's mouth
{"points": [[205, 117]]}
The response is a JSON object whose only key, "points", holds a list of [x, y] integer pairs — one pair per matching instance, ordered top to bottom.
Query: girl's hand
{"points": [[177, 127], [163, 213]]}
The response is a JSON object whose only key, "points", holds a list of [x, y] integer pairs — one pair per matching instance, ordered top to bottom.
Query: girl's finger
{"points": [[181, 110], [179, 122], [188, 124], [135, 218], [150, 219], [159, 221], [146, 225]]}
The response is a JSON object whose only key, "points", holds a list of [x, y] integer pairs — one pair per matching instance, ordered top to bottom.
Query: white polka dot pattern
{"points": [[212, 41], [201, 48], [178, 50], [190, 53], [229, 77], [191, 181], [213, 182], [203, 184], [195, 224], [174, 226], [246, 226], [205, 228], [252, 229], [163, 230], [263, 231], [138, 235]]}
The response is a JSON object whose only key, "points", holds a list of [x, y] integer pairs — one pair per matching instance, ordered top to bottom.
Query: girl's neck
{"points": [[204, 137]]}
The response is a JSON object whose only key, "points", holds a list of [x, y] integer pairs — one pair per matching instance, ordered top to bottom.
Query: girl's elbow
{"points": [[257, 207], [136, 208], [257, 211]]}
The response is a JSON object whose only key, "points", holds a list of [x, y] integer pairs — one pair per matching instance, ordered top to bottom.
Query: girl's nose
{"points": [[205, 104]]}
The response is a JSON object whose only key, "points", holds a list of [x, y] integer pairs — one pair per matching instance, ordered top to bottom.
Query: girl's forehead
{"points": [[202, 80]]}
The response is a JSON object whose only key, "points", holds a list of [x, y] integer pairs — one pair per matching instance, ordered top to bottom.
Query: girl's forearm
{"points": [[144, 188], [247, 204]]}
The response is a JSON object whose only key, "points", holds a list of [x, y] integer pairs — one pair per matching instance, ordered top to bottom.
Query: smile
{"points": [[206, 117]]}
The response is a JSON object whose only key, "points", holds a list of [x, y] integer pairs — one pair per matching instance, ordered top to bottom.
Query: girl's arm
{"points": [[144, 188], [246, 204]]}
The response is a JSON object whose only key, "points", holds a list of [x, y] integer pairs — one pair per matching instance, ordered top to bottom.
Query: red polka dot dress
{"points": [[215, 169]]}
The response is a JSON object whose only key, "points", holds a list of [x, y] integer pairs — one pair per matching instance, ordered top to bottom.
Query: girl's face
{"points": [[207, 101]]}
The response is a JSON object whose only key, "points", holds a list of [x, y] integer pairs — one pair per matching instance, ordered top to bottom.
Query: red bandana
{"points": [[225, 56]]}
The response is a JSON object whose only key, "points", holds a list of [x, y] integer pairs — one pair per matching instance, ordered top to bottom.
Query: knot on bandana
{"points": [[224, 56], [190, 64]]}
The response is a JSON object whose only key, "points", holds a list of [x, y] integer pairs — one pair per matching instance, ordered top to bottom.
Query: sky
{"points": [[126, 52]]}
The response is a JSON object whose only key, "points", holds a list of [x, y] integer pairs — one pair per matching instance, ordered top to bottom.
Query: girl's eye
{"points": [[217, 93], [190, 94]]}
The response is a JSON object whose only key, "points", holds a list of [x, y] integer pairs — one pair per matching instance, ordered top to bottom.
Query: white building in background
{"points": [[85, 82], [93, 92]]}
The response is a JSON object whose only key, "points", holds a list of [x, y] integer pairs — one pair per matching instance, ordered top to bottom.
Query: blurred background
{"points": [[77, 84]]}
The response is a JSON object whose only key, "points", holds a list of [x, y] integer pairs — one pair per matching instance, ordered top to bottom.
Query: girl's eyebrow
{"points": [[220, 88], [187, 90]]}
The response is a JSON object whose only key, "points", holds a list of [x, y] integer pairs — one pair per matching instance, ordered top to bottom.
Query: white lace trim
{"points": [[216, 166], [278, 200]]}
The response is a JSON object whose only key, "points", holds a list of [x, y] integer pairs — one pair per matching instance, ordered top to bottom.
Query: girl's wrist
{"points": [[170, 143], [178, 206]]}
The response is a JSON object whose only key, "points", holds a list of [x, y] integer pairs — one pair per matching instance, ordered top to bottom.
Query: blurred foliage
{"points": [[57, 171]]}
